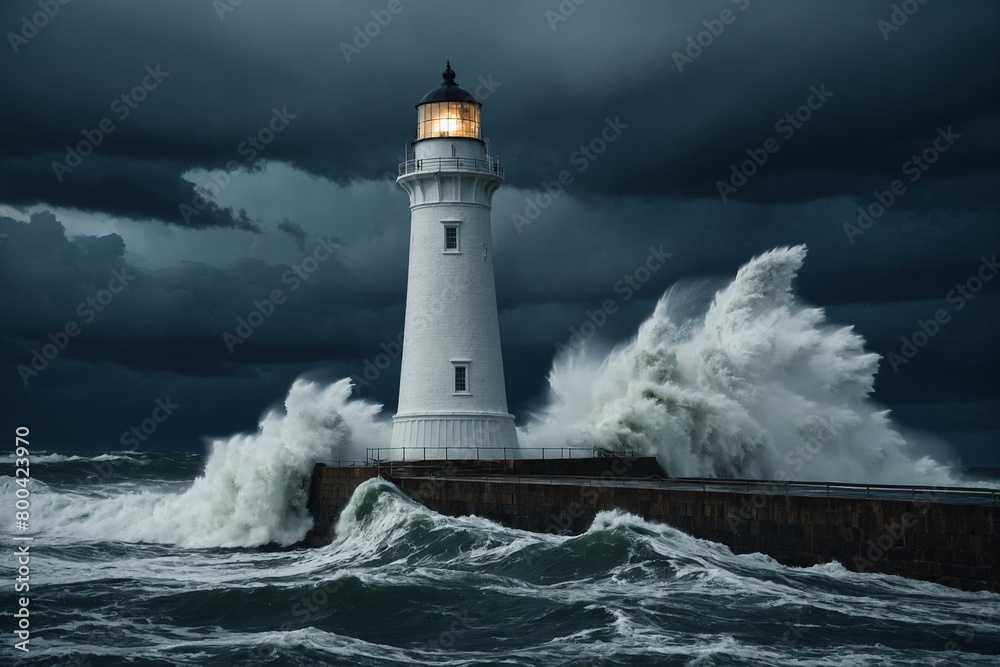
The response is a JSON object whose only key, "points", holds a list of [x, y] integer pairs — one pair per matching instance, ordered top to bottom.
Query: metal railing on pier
{"points": [[375, 455], [394, 456], [344, 464], [763, 488], [854, 490]]}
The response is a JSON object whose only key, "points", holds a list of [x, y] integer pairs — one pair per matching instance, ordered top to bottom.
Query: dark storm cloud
{"points": [[275, 82], [549, 90], [132, 188], [294, 230], [83, 317], [171, 319]]}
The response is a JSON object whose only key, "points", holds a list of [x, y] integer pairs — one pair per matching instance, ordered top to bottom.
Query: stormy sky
{"points": [[166, 166]]}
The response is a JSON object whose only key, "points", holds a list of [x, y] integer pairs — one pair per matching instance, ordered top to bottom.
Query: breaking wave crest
{"points": [[758, 386], [251, 491], [381, 526]]}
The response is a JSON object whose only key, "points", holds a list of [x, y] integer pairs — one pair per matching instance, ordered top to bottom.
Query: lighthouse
{"points": [[451, 389]]}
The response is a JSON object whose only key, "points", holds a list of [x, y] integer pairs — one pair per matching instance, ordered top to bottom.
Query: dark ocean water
{"points": [[405, 586]]}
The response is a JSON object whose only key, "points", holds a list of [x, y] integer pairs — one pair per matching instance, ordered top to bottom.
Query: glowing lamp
{"points": [[448, 111]]}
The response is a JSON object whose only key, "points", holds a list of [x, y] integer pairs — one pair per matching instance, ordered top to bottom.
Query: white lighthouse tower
{"points": [[451, 389]]}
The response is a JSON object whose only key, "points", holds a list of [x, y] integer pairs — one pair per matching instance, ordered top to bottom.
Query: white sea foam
{"points": [[759, 386], [42, 457], [46, 457], [252, 490]]}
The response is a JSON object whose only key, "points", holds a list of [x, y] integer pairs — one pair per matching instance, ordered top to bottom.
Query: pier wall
{"points": [[329, 491], [924, 538]]}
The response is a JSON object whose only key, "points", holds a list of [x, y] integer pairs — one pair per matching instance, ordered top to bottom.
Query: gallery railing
{"points": [[488, 166]]}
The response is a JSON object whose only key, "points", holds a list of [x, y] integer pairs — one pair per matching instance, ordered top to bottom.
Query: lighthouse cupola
{"points": [[448, 111]]}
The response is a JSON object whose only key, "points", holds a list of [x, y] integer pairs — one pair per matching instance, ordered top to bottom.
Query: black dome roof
{"points": [[449, 91]]}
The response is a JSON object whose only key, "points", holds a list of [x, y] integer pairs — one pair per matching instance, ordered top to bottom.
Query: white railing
{"points": [[487, 166]]}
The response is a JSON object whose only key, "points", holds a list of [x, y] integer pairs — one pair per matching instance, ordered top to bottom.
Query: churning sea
{"points": [[402, 585]]}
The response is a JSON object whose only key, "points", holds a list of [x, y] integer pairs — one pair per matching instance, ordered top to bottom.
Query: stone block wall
{"points": [[329, 491], [924, 538], [953, 544]]}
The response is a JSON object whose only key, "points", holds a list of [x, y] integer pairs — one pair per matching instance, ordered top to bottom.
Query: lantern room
{"points": [[448, 111]]}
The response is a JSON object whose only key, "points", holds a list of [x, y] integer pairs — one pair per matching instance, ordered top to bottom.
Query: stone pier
{"points": [[943, 536]]}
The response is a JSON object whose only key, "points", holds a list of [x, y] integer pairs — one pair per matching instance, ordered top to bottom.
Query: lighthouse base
{"points": [[451, 435]]}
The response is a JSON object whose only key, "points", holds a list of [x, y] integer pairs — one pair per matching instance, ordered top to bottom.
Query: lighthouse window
{"points": [[448, 119], [451, 238], [461, 384]]}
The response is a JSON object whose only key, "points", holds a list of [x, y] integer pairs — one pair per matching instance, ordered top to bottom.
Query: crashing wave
{"points": [[759, 386]]}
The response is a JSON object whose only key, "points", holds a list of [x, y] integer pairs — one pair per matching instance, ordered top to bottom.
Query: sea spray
{"points": [[755, 385], [759, 386], [253, 489]]}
